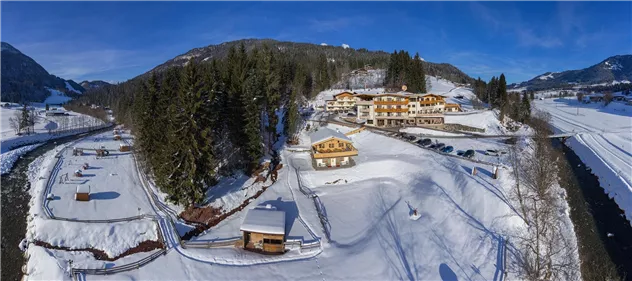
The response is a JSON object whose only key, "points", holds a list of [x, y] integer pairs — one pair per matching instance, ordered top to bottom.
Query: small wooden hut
{"points": [[117, 137], [124, 147], [77, 151], [78, 173], [83, 193], [263, 230]]}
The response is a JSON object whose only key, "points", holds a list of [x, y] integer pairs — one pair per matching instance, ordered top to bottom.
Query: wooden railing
{"points": [[391, 102], [391, 110]]}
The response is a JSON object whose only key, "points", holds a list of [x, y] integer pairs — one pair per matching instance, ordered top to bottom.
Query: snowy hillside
{"points": [[57, 97], [603, 142]]}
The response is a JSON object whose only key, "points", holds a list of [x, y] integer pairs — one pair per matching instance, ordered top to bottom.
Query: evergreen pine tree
{"points": [[271, 93], [502, 96], [526, 108], [24, 118], [252, 121]]}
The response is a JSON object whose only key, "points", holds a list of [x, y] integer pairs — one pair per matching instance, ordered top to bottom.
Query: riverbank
{"points": [[15, 205], [603, 233]]}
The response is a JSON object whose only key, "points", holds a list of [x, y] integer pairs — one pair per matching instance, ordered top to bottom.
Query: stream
{"points": [[15, 206], [601, 227]]}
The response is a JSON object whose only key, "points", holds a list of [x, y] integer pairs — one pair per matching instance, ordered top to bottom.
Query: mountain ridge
{"points": [[333, 53], [613, 70], [25, 80]]}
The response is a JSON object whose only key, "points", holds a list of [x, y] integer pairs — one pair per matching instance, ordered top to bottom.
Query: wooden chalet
{"points": [[331, 148]]}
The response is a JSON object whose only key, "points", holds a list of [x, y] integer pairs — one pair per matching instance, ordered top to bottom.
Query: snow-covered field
{"points": [[43, 123], [603, 142], [115, 189], [116, 193], [463, 221]]}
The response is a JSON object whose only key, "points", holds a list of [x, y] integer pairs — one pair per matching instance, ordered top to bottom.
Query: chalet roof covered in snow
{"points": [[324, 134], [264, 220]]}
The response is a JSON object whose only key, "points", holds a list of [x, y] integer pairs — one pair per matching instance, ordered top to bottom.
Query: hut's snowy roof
{"points": [[325, 134], [83, 189], [263, 220]]}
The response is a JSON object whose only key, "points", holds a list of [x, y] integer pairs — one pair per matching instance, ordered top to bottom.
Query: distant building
{"points": [[342, 103], [393, 109], [56, 113], [331, 148], [263, 230]]}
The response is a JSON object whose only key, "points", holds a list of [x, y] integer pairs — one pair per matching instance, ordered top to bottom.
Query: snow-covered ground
{"points": [[57, 97], [43, 123], [424, 131], [603, 142], [7, 159], [115, 189], [116, 193], [458, 236], [112, 238]]}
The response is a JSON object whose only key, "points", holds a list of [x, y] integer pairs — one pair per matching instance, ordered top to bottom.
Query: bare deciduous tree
{"points": [[14, 123], [546, 253]]}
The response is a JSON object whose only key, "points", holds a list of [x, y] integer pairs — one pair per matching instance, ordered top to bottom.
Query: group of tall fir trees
{"points": [[405, 70], [515, 105], [205, 119]]}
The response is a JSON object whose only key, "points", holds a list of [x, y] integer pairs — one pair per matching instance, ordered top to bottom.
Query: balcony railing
{"points": [[391, 102], [432, 102], [391, 110], [334, 152]]}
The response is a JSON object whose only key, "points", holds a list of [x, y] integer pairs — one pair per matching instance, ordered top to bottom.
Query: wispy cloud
{"points": [[338, 23], [526, 34], [528, 38], [486, 65]]}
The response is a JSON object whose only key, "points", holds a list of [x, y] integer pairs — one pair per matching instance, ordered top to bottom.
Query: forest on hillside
{"points": [[206, 119], [203, 120]]}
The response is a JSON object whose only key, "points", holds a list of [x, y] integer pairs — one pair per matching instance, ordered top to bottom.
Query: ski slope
{"points": [[604, 142]]}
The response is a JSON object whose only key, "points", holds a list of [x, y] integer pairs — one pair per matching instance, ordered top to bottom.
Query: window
{"points": [[341, 144], [321, 145], [331, 145], [272, 241]]}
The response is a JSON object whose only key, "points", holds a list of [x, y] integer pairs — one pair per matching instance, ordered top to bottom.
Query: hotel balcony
{"points": [[391, 102], [391, 110]]}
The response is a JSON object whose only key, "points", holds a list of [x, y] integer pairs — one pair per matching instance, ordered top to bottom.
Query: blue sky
{"points": [[116, 41]]}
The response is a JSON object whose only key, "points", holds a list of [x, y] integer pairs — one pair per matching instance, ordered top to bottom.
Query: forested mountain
{"points": [[344, 59], [613, 70], [23, 79], [220, 108]]}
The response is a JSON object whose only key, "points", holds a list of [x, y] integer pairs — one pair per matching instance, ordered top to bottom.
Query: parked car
{"points": [[411, 137], [424, 142], [432, 146], [440, 146], [447, 149], [460, 153], [469, 153]]}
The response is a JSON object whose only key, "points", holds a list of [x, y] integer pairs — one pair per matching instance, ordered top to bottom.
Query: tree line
{"points": [[405, 70], [515, 105], [204, 120]]}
